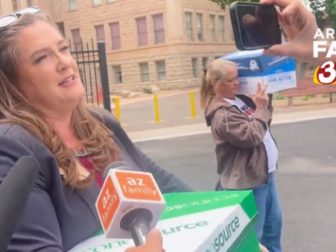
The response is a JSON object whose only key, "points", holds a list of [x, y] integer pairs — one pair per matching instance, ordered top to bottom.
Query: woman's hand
{"points": [[299, 26], [260, 99], [153, 243], [262, 248]]}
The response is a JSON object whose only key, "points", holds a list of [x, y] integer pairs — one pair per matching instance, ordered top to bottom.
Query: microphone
{"points": [[119, 165], [14, 192], [129, 203]]}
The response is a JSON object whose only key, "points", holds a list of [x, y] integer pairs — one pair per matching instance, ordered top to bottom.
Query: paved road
{"points": [[306, 178]]}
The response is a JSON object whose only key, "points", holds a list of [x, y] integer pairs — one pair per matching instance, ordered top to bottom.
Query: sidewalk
{"points": [[137, 113], [200, 128]]}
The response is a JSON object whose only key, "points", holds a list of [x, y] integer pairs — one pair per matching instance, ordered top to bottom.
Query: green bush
{"points": [[147, 90], [278, 96], [307, 97]]}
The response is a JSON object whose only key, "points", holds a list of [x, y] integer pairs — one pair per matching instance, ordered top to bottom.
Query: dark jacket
{"points": [[240, 151], [57, 217]]}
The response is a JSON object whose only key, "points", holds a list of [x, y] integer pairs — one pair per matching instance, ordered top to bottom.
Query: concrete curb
{"points": [[200, 128]]}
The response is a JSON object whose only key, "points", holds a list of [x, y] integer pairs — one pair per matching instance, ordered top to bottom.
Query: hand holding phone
{"points": [[299, 24], [254, 25]]}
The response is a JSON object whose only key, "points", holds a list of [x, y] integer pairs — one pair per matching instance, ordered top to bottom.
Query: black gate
{"points": [[93, 72]]}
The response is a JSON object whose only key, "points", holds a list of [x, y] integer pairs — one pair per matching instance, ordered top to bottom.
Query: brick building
{"points": [[161, 42]]}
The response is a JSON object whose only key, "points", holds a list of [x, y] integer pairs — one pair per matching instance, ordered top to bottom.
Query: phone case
{"points": [[236, 26], [237, 29]]}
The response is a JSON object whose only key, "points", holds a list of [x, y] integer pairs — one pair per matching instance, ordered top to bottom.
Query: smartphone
{"points": [[254, 25]]}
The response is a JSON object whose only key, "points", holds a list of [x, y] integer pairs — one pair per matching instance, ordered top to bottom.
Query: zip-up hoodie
{"points": [[240, 151]]}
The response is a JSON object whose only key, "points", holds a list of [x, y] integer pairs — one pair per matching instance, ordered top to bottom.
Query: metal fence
{"points": [[92, 67]]}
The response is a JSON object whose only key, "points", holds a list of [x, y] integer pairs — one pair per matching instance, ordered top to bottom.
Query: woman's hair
{"points": [[215, 73], [16, 108]]}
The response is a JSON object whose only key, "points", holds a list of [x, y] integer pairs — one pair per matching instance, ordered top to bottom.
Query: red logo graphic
{"points": [[325, 74]]}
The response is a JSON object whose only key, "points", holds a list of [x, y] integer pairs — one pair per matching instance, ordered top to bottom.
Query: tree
{"points": [[224, 3], [319, 9], [331, 12]]}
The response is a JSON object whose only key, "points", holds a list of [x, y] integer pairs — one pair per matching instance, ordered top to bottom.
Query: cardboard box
{"points": [[278, 72], [197, 222]]}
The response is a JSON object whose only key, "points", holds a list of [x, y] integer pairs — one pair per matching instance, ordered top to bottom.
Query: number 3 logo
{"points": [[327, 73]]}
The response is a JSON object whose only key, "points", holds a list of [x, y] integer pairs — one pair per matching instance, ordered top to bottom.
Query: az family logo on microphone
{"points": [[325, 74], [128, 193]]}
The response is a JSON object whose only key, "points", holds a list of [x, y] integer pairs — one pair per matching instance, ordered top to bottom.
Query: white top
{"points": [[271, 149]]}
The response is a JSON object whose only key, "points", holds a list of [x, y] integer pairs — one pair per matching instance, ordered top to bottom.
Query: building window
{"points": [[96, 2], [30, 3], [72, 4], [16, 5], [189, 25], [60, 26], [199, 26], [212, 27], [221, 27], [142, 31], [159, 32], [100, 35], [115, 35], [76, 38], [205, 63], [194, 64], [161, 70], [144, 72], [117, 74]]}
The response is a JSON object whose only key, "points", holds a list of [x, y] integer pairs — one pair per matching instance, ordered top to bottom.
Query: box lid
{"points": [[255, 63]]}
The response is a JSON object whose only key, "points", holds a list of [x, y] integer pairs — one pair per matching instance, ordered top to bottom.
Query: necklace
{"points": [[82, 152]]}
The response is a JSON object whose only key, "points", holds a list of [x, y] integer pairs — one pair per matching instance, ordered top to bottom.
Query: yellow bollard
{"points": [[192, 104], [117, 107], [156, 108]]}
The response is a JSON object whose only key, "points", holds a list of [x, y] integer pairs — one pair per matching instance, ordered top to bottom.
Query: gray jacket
{"points": [[57, 217]]}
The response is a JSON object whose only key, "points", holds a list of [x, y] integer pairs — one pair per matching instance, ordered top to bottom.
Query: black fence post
{"points": [[104, 76]]}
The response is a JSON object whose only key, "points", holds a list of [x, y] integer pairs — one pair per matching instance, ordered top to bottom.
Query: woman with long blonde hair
{"points": [[245, 149]]}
